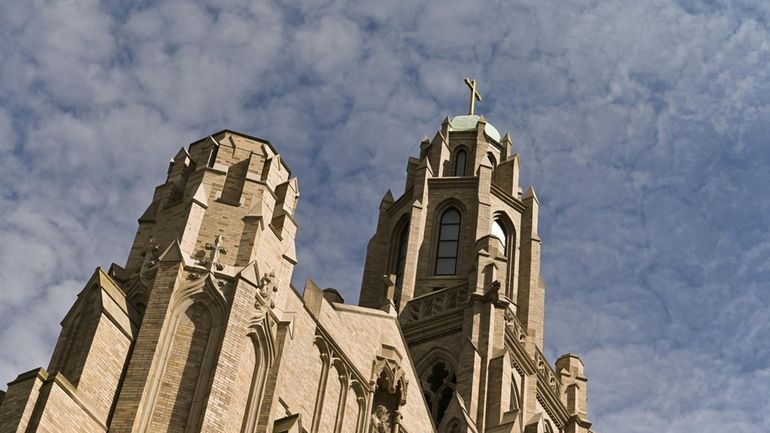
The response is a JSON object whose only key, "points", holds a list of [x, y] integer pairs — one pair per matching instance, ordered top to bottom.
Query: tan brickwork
{"points": [[495, 292], [201, 331]]}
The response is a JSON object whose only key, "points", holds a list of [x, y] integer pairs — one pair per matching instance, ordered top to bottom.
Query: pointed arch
{"points": [[492, 159], [460, 162], [502, 226], [400, 243], [448, 245], [262, 346], [188, 350], [325, 353], [344, 380], [439, 381], [515, 397], [362, 402]]}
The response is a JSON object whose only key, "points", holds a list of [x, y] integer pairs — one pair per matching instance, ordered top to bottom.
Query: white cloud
{"points": [[642, 125]]}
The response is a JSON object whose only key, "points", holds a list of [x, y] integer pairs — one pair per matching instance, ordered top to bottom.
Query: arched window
{"points": [[460, 158], [492, 159], [498, 231], [448, 240], [403, 242], [439, 385], [514, 403]]}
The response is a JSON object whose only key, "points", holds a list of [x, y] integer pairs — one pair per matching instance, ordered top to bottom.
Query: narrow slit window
{"points": [[460, 158], [448, 241], [403, 242]]}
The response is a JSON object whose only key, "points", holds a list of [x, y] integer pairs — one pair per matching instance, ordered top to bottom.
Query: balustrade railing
{"points": [[433, 304], [513, 326], [545, 371]]}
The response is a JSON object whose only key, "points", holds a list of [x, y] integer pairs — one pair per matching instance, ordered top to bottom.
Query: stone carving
{"points": [[216, 250], [150, 264], [267, 289], [513, 325], [545, 371], [380, 420]]}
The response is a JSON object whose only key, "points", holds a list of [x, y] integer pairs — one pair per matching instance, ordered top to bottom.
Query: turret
{"points": [[458, 256]]}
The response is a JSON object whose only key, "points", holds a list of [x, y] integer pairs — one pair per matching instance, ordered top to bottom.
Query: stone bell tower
{"points": [[224, 223], [457, 256], [181, 338]]}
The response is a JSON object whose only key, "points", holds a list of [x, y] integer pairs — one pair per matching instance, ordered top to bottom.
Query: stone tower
{"points": [[226, 214], [457, 255], [202, 331], [147, 346]]}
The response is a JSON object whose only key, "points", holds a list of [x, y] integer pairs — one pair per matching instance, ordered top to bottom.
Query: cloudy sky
{"points": [[642, 124]]}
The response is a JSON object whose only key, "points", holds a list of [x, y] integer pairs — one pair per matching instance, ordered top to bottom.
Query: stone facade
{"points": [[202, 331]]}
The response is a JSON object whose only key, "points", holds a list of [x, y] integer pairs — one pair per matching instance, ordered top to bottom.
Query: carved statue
{"points": [[150, 262], [267, 289], [381, 420]]}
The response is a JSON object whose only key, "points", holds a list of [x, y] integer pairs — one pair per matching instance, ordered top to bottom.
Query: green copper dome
{"points": [[468, 122]]}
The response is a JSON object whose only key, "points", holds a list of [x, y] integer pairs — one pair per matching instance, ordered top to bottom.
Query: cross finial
{"points": [[474, 94]]}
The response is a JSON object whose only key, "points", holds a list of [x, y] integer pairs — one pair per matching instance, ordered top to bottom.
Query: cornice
{"points": [[453, 182], [508, 199]]}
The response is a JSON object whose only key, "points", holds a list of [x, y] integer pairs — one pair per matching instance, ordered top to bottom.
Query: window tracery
{"points": [[439, 386]]}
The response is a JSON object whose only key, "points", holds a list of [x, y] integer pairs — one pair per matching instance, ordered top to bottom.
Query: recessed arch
{"points": [[492, 159], [460, 162], [502, 228], [499, 231], [448, 245], [399, 247], [197, 313], [262, 347], [436, 353], [439, 383], [439, 393], [515, 397]]}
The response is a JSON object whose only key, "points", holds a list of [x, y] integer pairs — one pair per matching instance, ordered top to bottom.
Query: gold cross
{"points": [[474, 94]]}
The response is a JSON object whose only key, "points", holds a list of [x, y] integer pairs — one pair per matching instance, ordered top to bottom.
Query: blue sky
{"points": [[643, 126]]}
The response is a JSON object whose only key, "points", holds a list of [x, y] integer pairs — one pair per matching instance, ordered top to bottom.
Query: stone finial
{"points": [[530, 195], [387, 200], [575, 395]]}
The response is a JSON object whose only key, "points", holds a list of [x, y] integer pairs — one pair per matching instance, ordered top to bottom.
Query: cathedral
{"points": [[202, 331]]}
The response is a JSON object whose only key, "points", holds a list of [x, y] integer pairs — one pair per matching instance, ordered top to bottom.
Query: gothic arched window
{"points": [[460, 159], [492, 159], [498, 231], [448, 240], [403, 242], [439, 386], [514, 403]]}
